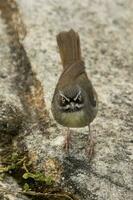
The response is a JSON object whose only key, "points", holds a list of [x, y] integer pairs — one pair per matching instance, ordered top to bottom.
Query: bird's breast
{"points": [[73, 119]]}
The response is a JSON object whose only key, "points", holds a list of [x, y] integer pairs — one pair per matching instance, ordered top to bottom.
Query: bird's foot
{"points": [[67, 143], [90, 149]]}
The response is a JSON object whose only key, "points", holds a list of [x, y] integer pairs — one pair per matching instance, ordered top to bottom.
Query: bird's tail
{"points": [[69, 47]]}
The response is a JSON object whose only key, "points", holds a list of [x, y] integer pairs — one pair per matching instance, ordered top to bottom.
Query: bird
{"points": [[75, 101]]}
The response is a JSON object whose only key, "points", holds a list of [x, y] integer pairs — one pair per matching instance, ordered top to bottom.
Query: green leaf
{"points": [[7, 168], [28, 175], [38, 176], [26, 187]]}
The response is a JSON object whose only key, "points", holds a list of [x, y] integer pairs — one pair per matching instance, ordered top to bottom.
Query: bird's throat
{"points": [[74, 119]]}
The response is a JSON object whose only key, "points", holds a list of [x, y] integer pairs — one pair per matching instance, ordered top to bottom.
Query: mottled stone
{"points": [[105, 28]]}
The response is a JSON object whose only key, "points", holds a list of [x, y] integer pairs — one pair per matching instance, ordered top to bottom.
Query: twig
{"points": [[39, 194]]}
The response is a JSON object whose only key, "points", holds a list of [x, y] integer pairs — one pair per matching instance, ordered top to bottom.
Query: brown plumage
{"points": [[69, 47], [70, 53], [74, 74], [75, 102]]}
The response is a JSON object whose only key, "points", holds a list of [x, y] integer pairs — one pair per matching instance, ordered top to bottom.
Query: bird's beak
{"points": [[72, 105]]}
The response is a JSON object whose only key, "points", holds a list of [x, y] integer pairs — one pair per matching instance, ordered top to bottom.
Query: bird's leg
{"points": [[67, 140], [90, 145]]}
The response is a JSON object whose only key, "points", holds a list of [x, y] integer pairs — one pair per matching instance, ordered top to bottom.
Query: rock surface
{"points": [[30, 67]]}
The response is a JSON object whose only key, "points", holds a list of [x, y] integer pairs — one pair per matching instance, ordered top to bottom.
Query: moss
{"points": [[20, 168], [38, 176], [35, 184], [26, 187]]}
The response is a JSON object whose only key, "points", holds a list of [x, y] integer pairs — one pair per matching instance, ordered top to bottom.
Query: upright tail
{"points": [[69, 47]]}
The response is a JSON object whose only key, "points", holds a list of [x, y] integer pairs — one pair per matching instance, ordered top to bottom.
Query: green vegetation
{"points": [[20, 168]]}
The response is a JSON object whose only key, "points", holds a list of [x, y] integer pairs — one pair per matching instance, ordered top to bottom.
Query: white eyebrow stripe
{"points": [[61, 94], [77, 95], [79, 105]]}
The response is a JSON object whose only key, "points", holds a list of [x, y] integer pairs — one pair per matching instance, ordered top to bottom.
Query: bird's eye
{"points": [[78, 99], [63, 100]]}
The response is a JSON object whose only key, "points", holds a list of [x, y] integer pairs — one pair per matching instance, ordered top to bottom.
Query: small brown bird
{"points": [[75, 101]]}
